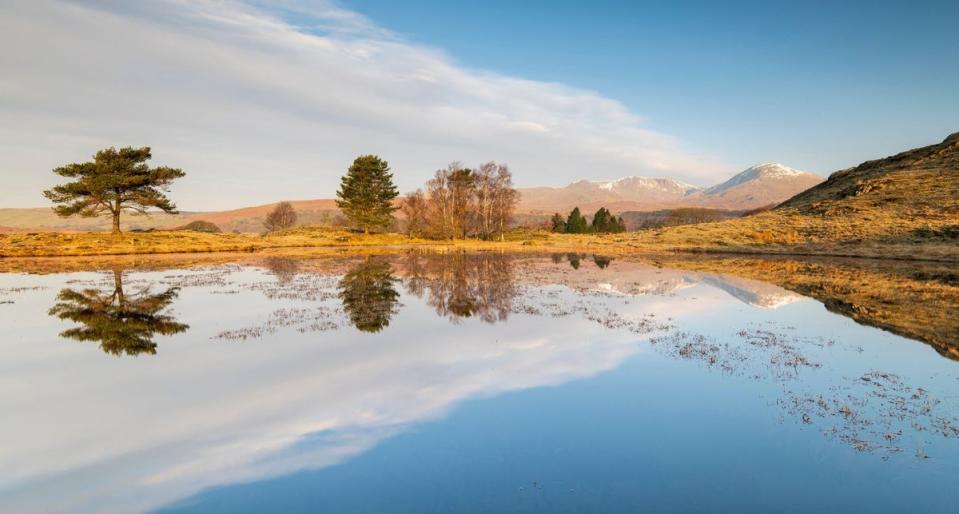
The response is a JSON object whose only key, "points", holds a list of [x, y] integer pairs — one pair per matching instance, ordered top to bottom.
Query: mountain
{"points": [[757, 186], [626, 193], [903, 206]]}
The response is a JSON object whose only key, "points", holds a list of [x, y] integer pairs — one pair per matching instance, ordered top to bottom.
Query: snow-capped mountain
{"points": [[632, 186], [757, 186], [621, 194]]}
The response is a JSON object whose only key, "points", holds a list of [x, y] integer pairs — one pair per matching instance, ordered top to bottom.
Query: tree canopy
{"points": [[114, 181], [367, 192], [282, 217], [576, 222], [605, 222], [557, 223], [369, 294], [123, 324]]}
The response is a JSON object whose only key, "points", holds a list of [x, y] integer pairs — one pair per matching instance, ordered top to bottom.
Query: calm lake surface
{"points": [[472, 383]]}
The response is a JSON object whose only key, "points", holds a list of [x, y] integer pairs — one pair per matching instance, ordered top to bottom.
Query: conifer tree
{"points": [[114, 181], [366, 193], [603, 221], [576, 222], [558, 224]]}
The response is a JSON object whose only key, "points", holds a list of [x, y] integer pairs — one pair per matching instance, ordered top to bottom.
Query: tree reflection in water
{"points": [[575, 259], [283, 268], [461, 285], [369, 294], [123, 324]]}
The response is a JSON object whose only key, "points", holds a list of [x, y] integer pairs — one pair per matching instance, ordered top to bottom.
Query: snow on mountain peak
{"points": [[775, 169], [636, 182]]}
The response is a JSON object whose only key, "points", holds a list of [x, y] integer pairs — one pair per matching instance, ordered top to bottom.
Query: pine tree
{"points": [[116, 180], [366, 193], [603, 221], [576, 222], [558, 223], [620, 225]]}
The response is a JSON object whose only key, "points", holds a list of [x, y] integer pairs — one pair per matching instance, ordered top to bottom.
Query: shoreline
{"points": [[56, 245]]}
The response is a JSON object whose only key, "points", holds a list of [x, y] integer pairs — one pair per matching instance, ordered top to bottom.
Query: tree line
{"points": [[457, 203], [604, 222]]}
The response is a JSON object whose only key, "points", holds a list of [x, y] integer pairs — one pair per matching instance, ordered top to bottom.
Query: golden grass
{"points": [[767, 233], [912, 299]]}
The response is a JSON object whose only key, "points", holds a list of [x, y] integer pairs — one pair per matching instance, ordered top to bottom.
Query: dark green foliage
{"points": [[114, 181], [367, 192], [281, 217], [601, 220], [576, 222], [604, 222], [558, 224], [620, 225], [200, 226], [573, 259], [602, 261], [369, 295], [122, 324]]}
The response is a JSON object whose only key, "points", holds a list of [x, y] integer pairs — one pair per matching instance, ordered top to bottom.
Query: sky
{"points": [[260, 101]]}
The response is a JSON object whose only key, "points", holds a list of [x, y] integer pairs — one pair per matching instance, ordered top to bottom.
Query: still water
{"points": [[475, 383]]}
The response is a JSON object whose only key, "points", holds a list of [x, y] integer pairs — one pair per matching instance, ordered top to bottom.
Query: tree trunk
{"points": [[116, 212], [118, 285]]}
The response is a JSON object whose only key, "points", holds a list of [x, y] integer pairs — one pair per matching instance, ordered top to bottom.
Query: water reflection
{"points": [[575, 259], [284, 268], [463, 285], [369, 295], [122, 323], [644, 353]]}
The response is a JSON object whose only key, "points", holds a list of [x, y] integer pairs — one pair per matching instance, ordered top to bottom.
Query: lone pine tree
{"points": [[116, 180], [367, 192]]}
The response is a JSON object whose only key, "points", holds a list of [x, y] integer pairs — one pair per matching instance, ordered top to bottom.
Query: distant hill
{"points": [[918, 183], [757, 186], [905, 206], [247, 219]]}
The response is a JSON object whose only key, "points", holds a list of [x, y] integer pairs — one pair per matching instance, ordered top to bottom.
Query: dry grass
{"points": [[902, 207], [761, 234], [915, 300]]}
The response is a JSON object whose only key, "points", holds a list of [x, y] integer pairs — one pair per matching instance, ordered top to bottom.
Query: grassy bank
{"points": [[759, 234]]}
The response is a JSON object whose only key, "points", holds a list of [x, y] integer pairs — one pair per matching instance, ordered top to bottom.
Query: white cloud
{"points": [[261, 103]]}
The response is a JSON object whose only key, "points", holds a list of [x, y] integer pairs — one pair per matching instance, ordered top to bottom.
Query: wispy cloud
{"points": [[260, 101]]}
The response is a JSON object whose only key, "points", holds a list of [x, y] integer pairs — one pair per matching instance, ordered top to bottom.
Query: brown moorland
{"points": [[904, 207]]}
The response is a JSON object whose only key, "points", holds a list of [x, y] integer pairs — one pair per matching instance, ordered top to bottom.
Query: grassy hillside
{"points": [[902, 206], [905, 206], [247, 219], [909, 299]]}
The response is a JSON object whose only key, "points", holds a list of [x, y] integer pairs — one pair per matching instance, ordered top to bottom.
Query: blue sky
{"points": [[816, 85], [269, 100]]}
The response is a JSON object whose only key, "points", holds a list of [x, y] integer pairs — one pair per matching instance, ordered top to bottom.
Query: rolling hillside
{"points": [[906, 205]]}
